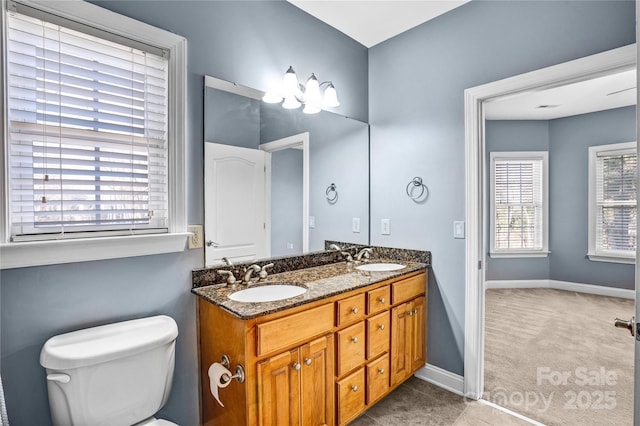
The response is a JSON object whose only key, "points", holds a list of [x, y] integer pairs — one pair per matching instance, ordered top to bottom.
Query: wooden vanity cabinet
{"points": [[323, 363]]}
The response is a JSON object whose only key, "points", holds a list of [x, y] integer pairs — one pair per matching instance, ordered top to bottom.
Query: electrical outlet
{"points": [[312, 221], [355, 227], [385, 227], [458, 229], [196, 237], [290, 246]]}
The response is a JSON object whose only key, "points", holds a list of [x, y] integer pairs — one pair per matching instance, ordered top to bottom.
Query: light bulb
{"points": [[290, 84], [312, 92], [330, 97], [270, 98], [290, 102]]}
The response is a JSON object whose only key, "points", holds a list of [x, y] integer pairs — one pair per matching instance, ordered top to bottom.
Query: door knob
{"points": [[629, 325]]}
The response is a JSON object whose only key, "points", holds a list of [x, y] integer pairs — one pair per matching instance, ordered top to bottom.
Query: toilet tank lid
{"points": [[104, 343]]}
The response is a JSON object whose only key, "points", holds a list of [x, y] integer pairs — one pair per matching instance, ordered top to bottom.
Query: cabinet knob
{"points": [[381, 299], [354, 310], [415, 311], [410, 313], [381, 326], [354, 339], [307, 361], [296, 366], [380, 370], [354, 388]]}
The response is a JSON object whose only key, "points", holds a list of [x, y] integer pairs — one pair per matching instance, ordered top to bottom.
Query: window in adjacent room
{"points": [[92, 135], [612, 202], [519, 204]]}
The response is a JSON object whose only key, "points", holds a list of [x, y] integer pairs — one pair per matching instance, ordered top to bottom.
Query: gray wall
{"points": [[245, 42], [416, 112], [231, 119], [514, 136], [571, 138], [568, 141], [286, 190]]}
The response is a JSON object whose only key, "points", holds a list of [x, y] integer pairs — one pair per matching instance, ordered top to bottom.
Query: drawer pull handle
{"points": [[381, 299], [354, 310], [381, 326], [354, 339], [307, 361], [296, 366], [380, 370], [354, 388]]}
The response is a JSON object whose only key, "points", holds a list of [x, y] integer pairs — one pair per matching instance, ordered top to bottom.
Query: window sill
{"points": [[26, 254], [505, 255], [611, 258]]}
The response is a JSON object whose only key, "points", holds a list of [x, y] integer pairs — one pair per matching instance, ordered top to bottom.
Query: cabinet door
{"points": [[418, 333], [400, 343], [317, 382], [279, 390]]}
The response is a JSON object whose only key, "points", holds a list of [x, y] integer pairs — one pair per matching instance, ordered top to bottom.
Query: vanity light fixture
{"points": [[294, 95]]}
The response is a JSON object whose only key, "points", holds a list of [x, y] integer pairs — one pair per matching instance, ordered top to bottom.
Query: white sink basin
{"points": [[380, 267], [267, 293]]}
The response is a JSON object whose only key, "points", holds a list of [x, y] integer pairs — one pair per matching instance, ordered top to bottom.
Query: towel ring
{"points": [[424, 191], [332, 193]]}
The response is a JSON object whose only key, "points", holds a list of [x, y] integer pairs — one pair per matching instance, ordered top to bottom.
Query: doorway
{"points": [[476, 100]]}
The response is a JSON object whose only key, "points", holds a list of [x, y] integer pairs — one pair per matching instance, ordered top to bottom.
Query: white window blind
{"points": [[87, 126], [615, 193], [519, 211]]}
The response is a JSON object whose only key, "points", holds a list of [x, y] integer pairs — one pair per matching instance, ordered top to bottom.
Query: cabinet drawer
{"points": [[408, 289], [378, 299], [350, 309], [295, 328], [378, 334], [350, 348], [377, 379], [351, 394]]}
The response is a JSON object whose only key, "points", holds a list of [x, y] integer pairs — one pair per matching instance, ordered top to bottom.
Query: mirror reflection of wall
{"points": [[565, 122], [338, 152]]}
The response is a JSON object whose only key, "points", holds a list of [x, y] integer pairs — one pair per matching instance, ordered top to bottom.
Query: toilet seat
{"points": [[155, 422]]}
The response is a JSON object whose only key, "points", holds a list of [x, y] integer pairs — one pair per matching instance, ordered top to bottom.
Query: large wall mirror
{"points": [[279, 182]]}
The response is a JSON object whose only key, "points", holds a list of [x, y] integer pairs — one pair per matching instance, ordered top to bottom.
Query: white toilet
{"points": [[115, 374]]}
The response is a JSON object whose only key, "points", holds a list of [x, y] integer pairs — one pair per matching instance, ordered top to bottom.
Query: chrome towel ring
{"points": [[411, 190], [332, 193]]}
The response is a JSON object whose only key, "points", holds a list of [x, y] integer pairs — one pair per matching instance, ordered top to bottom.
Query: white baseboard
{"points": [[563, 285], [442, 378]]}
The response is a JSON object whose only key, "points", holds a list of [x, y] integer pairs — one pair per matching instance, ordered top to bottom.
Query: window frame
{"points": [[520, 155], [35, 253], [594, 253]]}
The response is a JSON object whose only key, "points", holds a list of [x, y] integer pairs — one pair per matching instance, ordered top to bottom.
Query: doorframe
{"points": [[298, 141], [475, 194]]}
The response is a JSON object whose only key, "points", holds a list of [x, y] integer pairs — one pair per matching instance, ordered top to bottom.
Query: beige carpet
{"points": [[555, 356]]}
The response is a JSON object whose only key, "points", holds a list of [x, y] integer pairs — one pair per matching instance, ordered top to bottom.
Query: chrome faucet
{"points": [[334, 247], [365, 252], [347, 256], [227, 261], [250, 270], [263, 271], [230, 277]]}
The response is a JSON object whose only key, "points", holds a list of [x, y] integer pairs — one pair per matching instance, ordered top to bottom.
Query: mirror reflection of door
{"points": [[236, 203]]}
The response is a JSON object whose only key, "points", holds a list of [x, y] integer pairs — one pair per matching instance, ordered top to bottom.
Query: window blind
{"points": [[87, 126], [518, 198], [616, 201]]}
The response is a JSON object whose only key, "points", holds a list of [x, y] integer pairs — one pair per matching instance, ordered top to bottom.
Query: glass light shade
{"points": [[290, 84], [312, 92], [270, 98], [330, 99], [290, 102], [311, 109]]}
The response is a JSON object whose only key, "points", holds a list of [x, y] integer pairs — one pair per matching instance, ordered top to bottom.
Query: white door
{"points": [[235, 203]]}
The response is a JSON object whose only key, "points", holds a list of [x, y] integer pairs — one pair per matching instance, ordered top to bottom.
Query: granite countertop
{"points": [[321, 282]]}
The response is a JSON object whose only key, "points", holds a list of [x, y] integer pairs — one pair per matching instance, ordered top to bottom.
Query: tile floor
{"points": [[417, 402]]}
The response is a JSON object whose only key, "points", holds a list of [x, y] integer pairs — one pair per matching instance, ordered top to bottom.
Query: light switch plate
{"points": [[312, 221], [356, 224], [385, 227], [458, 229]]}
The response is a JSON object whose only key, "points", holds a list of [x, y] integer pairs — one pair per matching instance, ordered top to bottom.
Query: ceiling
{"points": [[373, 21], [597, 94]]}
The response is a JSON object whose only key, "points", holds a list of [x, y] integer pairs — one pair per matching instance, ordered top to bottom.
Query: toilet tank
{"points": [[115, 374]]}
